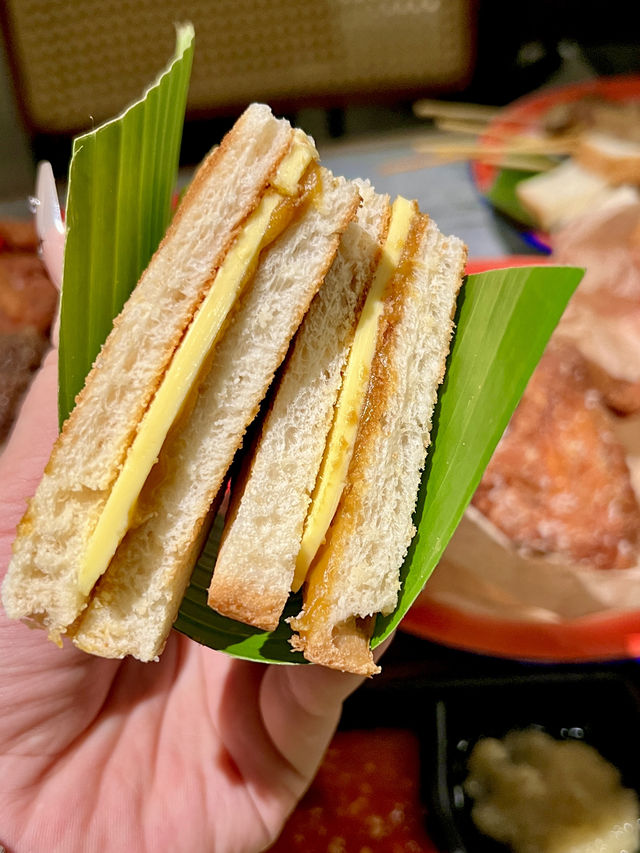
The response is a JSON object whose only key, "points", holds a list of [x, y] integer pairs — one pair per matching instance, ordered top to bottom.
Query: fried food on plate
{"points": [[558, 482]]}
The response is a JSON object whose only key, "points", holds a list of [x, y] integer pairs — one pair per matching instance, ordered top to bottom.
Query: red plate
{"points": [[527, 113], [593, 638]]}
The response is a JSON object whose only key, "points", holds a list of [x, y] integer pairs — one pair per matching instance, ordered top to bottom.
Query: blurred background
{"points": [[341, 68], [350, 72]]}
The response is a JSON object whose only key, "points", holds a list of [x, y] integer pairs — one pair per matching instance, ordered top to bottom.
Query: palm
{"points": [[196, 752]]}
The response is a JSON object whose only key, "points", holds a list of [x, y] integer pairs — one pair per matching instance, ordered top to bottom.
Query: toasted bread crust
{"points": [[237, 604], [343, 646]]}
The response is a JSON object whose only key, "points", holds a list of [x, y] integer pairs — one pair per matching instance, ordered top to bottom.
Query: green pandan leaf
{"points": [[121, 179], [504, 197], [504, 320], [198, 621]]}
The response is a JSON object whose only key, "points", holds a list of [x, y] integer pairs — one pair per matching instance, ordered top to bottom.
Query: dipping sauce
{"points": [[365, 799]]}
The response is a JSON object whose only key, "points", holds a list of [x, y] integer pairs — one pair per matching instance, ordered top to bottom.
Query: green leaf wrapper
{"points": [[121, 180], [504, 320]]}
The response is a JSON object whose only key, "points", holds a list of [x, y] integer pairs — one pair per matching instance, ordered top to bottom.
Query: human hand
{"points": [[199, 752]]}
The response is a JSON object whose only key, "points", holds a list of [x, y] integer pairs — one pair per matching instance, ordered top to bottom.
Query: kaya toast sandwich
{"points": [[326, 500]]}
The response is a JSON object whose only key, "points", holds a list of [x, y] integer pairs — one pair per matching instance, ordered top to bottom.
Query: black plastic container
{"points": [[449, 714]]}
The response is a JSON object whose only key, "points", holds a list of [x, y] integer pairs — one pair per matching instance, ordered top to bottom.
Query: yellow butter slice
{"points": [[295, 164], [185, 367], [340, 443]]}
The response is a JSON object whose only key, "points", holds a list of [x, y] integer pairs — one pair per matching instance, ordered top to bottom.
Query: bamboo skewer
{"points": [[426, 108], [469, 117], [461, 126], [469, 137], [471, 147], [419, 161]]}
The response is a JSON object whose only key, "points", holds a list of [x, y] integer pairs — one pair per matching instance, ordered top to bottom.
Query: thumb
{"points": [[301, 707]]}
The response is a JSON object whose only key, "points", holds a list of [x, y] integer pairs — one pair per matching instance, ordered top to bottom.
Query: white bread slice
{"points": [[616, 160], [556, 197], [373, 527], [263, 528], [41, 583], [136, 601]]}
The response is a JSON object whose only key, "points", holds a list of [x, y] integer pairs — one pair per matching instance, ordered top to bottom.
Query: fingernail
{"points": [[47, 205], [49, 225]]}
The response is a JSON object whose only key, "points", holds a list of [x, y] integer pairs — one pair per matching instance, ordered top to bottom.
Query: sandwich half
{"points": [[326, 500], [107, 544], [255, 566]]}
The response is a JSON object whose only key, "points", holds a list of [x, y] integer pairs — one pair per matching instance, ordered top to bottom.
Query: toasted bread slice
{"points": [[263, 527], [356, 573], [42, 582], [136, 601]]}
